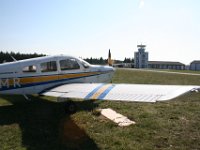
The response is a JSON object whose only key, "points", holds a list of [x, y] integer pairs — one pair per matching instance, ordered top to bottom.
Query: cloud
{"points": [[141, 4]]}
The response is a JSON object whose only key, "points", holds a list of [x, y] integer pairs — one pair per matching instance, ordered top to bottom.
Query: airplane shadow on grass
{"points": [[44, 124]]}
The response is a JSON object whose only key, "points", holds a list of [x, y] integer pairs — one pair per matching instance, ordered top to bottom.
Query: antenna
{"points": [[13, 58]]}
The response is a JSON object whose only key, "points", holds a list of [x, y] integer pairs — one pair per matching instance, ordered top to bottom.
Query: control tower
{"points": [[141, 57]]}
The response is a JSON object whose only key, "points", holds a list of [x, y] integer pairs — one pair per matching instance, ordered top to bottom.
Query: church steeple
{"points": [[109, 58]]}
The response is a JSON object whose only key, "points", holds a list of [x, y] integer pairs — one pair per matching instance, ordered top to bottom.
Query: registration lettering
{"points": [[12, 82]]}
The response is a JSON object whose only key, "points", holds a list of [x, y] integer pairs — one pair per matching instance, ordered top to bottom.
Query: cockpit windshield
{"points": [[84, 63]]}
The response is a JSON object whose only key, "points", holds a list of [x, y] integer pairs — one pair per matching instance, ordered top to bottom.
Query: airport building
{"points": [[141, 57], [141, 61], [166, 65], [195, 65]]}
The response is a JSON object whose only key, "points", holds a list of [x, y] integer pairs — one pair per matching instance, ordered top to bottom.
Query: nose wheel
{"points": [[70, 107]]}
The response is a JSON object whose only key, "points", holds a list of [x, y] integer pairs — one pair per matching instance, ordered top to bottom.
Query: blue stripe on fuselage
{"points": [[53, 81]]}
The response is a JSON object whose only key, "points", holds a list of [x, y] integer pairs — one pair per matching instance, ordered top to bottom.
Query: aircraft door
{"points": [[28, 79]]}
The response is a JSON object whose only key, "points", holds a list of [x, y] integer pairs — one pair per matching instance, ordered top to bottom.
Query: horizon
{"points": [[131, 58]]}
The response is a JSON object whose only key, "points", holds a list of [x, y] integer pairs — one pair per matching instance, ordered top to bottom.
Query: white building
{"points": [[141, 57]]}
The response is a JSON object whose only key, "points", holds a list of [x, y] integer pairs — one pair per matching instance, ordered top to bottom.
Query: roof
{"points": [[141, 45], [42, 58], [196, 62], [164, 63], [13, 66]]}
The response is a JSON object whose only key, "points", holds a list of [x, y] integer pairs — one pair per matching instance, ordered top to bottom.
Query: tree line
{"points": [[8, 57], [102, 61]]}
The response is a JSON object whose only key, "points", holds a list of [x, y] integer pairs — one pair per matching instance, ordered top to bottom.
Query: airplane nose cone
{"points": [[108, 68], [104, 69], [113, 69], [106, 75]]}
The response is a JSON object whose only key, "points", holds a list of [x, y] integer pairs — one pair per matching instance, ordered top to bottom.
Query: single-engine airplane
{"points": [[67, 77]]}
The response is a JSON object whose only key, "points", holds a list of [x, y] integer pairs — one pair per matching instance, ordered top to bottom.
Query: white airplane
{"points": [[67, 77]]}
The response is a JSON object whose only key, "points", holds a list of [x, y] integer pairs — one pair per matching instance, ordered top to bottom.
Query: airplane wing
{"points": [[119, 92]]}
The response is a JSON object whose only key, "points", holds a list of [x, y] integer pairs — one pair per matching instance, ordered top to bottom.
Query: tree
{"points": [[6, 56]]}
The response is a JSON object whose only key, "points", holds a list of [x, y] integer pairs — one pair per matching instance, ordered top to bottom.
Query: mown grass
{"points": [[179, 71], [145, 77], [42, 123]]}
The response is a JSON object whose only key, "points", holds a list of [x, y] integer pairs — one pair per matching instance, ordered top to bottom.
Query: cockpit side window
{"points": [[69, 64], [48, 66], [29, 69]]}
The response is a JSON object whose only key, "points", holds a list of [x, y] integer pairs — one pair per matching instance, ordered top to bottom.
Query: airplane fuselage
{"points": [[33, 76]]}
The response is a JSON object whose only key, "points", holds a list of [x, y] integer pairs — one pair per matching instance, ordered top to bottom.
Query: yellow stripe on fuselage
{"points": [[65, 76], [37, 79], [100, 91]]}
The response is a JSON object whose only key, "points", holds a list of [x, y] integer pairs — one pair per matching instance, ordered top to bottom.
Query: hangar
{"points": [[166, 65], [195, 65]]}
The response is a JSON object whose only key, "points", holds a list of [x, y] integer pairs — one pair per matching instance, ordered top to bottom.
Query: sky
{"points": [[89, 28]]}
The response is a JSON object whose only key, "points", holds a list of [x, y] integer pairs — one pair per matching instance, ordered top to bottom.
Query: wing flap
{"points": [[120, 92]]}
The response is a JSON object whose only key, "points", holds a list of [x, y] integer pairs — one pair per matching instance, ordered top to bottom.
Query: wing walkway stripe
{"points": [[94, 91], [100, 91], [106, 92]]}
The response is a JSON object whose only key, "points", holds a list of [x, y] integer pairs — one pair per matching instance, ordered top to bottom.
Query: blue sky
{"points": [[169, 28]]}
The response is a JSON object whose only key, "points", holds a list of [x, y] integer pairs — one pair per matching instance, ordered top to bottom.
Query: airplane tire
{"points": [[70, 107]]}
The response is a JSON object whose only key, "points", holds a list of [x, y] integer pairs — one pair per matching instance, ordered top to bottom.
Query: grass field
{"points": [[178, 71], [41, 124]]}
